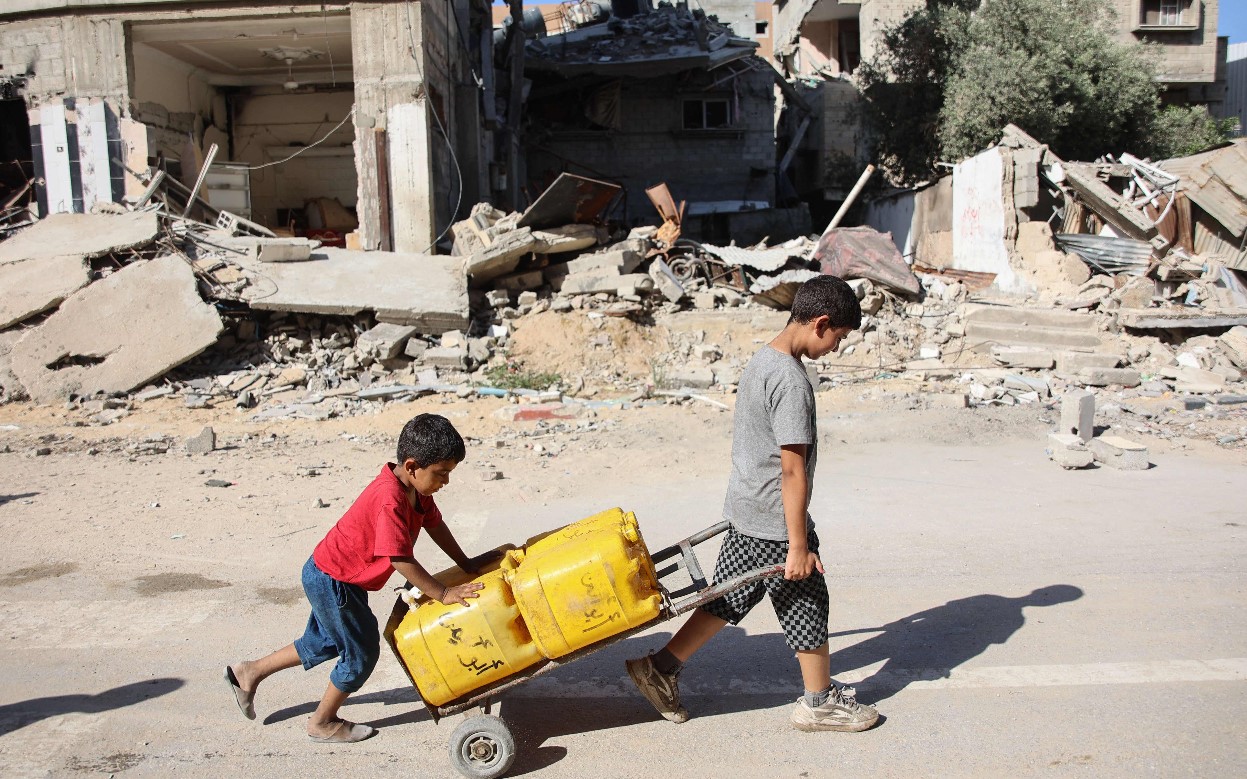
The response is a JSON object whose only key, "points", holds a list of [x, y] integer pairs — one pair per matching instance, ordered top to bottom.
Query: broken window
{"points": [[1167, 13], [707, 114]]}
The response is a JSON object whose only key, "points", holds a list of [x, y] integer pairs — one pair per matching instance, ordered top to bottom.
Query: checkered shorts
{"points": [[803, 607]]}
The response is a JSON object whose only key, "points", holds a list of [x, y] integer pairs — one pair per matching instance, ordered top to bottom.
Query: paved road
{"points": [[1007, 617]]}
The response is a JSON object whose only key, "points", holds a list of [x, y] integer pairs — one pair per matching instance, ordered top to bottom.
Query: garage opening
{"points": [[274, 95]]}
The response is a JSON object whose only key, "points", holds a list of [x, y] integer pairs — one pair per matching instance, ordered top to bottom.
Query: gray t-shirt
{"points": [[774, 408]]}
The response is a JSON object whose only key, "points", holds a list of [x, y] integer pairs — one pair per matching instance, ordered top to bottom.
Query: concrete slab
{"points": [[84, 235], [36, 285], [425, 291], [118, 334], [386, 340], [10, 387], [1120, 453]]}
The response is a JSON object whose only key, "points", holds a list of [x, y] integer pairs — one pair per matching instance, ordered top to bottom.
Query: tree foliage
{"points": [[947, 79], [903, 85], [1179, 131]]}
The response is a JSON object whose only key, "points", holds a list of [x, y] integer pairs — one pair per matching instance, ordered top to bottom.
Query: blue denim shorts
{"points": [[341, 625]]}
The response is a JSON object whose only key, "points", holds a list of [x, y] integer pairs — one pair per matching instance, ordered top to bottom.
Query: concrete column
{"points": [[390, 94]]}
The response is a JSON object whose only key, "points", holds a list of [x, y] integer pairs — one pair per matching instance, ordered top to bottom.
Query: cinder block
{"points": [[1103, 377], [1078, 415], [1068, 451], [1120, 453]]}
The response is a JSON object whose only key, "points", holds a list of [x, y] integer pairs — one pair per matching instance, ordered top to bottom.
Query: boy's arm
{"points": [[794, 489], [441, 535], [415, 574]]}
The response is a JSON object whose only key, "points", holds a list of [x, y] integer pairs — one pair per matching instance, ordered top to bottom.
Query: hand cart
{"points": [[482, 746]]}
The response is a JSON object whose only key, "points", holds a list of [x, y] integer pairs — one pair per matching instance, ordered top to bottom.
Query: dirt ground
{"points": [[118, 549]]}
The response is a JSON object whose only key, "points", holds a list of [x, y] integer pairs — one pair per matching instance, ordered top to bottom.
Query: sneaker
{"points": [[661, 690], [841, 713]]}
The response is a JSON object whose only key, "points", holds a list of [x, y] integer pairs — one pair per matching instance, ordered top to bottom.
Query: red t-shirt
{"points": [[380, 524]]}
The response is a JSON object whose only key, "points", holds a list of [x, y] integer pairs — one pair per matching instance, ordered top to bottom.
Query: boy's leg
{"points": [[815, 668], [249, 674], [657, 675]]}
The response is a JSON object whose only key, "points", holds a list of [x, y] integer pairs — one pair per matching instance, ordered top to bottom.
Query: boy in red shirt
{"points": [[372, 540]]}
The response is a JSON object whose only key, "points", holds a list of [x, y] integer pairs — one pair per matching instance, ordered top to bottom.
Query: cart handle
{"points": [[700, 592]]}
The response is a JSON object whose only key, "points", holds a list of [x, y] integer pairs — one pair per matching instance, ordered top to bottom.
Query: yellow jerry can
{"points": [[585, 582], [452, 650]]}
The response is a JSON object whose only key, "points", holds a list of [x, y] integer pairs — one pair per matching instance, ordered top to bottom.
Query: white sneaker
{"points": [[841, 712]]}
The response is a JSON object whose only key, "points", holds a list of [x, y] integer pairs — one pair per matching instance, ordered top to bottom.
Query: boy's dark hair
{"points": [[827, 296], [428, 439]]}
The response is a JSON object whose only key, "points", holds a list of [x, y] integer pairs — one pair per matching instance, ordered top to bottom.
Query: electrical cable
{"points": [[349, 114]]}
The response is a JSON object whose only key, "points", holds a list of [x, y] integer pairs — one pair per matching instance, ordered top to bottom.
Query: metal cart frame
{"points": [[482, 747]]}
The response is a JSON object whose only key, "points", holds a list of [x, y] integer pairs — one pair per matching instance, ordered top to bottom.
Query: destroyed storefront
{"points": [[668, 96], [324, 120]]}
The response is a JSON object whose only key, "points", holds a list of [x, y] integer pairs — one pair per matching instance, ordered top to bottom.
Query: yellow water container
{"points": [[583, 583], [452, 650]]}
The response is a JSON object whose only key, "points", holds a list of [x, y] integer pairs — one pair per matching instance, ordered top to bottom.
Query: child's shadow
{"points": [[929, 644]]}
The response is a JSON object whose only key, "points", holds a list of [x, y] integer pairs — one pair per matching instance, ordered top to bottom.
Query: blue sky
{"points": [[1232, 20]]}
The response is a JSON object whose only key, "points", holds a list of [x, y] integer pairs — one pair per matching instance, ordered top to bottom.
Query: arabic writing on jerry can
{"points": [[584, 582], [453, 650]]}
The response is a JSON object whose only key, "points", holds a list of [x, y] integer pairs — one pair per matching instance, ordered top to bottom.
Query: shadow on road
{"points": [[19, 496], [929, 644], [925, 645], [14, 716]]}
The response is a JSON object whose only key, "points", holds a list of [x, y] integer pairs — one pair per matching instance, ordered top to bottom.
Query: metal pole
{"points": [[848, 201]]}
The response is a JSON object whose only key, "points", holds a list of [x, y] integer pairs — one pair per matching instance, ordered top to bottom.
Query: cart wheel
{"points": [[482, 747]]}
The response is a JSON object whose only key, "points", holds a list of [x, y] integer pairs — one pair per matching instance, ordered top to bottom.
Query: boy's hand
{"points": [[475, 564], [801, 564], [461, 593]]}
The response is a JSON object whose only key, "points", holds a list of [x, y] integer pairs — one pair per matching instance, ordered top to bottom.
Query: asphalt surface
{"points": [[1008, 618]]}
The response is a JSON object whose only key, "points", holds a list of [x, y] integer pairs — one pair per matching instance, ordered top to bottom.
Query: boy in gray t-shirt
{"points": [[774, 450]]}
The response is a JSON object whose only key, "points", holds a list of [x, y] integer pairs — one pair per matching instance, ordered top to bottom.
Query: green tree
{"points": [[1053, 68], [947, 79], [903, 86], [1179, 131]]}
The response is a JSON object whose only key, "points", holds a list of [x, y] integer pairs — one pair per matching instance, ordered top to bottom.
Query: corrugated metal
{"points": [[1236, 84], [1211, 179], [1211, 244], [1108, 254], [765, 260]]}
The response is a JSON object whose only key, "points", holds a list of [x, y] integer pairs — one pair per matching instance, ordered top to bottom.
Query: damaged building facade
{"points": [[820, 43], [336, 117]]}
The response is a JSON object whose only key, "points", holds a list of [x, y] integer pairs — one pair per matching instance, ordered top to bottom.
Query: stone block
{"points": [[568, 238], [283, 249], [501, 257], [621, 261], [602, 280], [665, 280], [497, 298], [385, 341], [1234, 344], [415, 348], [453, 357], [1019, 357], [1074, 362], [689, 375], [1103, 377], [1198, 382], [1078, 414], [204, 443], [1069, 451], [1119, 453]]}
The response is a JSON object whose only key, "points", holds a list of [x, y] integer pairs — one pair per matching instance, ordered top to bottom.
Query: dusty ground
{"points": [[126, 582]]}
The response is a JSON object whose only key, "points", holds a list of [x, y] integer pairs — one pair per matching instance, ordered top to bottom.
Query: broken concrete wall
{"points": [[652, 145], [979, 219], [920, 222], [118, 333]]}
